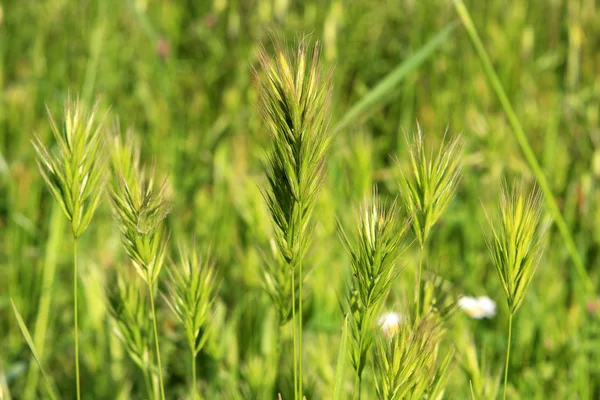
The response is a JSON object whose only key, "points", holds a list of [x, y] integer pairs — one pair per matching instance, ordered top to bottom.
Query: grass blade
{"points": [[387, 84], [519, 134], [57, 226], [29, 341], [341, 362], [4, 392]]}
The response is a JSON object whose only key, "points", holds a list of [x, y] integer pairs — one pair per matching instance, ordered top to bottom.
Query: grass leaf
{"points": [[387, 84], [29, 341], [341, 361]]}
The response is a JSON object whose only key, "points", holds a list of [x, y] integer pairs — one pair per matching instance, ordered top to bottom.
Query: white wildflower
{"points": [[478, 308], [389, 323]]}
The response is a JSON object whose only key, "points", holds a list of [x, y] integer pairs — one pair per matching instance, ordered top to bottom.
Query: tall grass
{"points": [[294, 104], [75, 178], [139, 207], [516, 249], [287, 313]]}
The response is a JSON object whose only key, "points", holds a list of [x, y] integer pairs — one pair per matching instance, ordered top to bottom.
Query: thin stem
{"points": [[519, 134], [418, 286], [75, 308], [294, 330], [507, 353], [300, 355], [160, 377], [358, 377], [357, 385], [149, 390], [194, 393]]}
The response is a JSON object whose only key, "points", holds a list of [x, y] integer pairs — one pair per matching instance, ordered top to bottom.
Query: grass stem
{"points": [[418, 288], [76, 318], [295, 333], [300, 354], [507, 354], [160, 376], [358, 378], [148, 385], [357, 386], [194, 392]]}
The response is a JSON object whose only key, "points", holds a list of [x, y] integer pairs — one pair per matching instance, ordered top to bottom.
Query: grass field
{"points": [[191, 80]]}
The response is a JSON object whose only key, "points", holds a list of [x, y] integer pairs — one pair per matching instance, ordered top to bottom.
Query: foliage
{"points": [[516, 81]]}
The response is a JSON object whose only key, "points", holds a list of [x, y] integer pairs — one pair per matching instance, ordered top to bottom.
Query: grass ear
{"points": [[294, 103], [430, 183], [139, 206], [515, 241], [516, 247], [373, 253]]}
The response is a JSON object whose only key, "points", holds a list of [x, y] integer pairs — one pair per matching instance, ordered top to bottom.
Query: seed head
{"points": [[75, 172], [429, 185], [139, 206], [515, 242], [191, 294]]}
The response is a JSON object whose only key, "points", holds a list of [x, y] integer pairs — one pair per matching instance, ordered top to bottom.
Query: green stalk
{"points": [[519, 134], [57, 224], [418, 289], [75, 308], [294, 331], [507, 353], [300, 355], [160, 377], [358, 378], [357, 385], [149, 389], [194, 394]]}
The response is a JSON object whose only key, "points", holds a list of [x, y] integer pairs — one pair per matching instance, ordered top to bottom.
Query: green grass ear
{"points": [[430, 183], [515, 241]]}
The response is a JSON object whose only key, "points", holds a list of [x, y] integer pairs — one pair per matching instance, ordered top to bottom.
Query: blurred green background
{"points": [[179, 73]]}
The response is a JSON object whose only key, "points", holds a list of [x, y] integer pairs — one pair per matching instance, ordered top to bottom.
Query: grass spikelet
{"points": [[294, 100], [75, 172], [75, 175], [430, 184], [427, 188], [139, 207], [515, 243], [516, 248], [373, 256], [191, 294], [129, 311], [406, 365]]}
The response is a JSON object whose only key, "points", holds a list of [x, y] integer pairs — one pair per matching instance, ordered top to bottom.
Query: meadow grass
{"points": [[264, 151]]}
